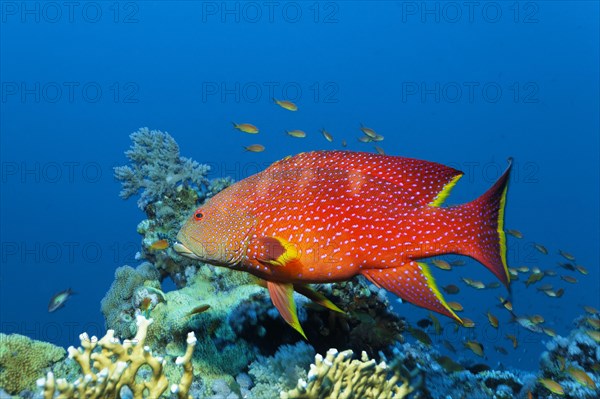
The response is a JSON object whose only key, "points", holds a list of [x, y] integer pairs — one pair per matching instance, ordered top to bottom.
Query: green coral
{"points": [[118, 304], [220, 352], [23, 361]]}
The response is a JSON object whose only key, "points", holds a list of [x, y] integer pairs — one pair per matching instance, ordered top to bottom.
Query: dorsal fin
{"points": [[422, 182]]}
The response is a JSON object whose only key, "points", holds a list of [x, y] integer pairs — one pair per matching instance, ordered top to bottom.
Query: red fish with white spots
{"points": [[327, 216]]}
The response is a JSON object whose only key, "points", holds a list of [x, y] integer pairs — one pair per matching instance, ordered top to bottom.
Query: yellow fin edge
{"points": [[442, 195], [502, 234], [433, 287]]}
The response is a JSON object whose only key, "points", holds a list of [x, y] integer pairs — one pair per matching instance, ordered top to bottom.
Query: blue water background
{"points": [[192, 68]]}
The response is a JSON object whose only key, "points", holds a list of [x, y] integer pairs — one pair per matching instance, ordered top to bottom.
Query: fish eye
{"points": [[198, 215]]}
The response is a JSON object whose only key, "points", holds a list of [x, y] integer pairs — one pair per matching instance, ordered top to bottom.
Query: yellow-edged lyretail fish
{"points": [[285, 104], [245, 127], [299, 134], [327, 135], [255, 148], [326, 216], [515, 233], [159, 245], [552, 386]]}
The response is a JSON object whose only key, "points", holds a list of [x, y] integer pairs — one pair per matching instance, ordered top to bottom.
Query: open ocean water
{"points": [[464, 84]]}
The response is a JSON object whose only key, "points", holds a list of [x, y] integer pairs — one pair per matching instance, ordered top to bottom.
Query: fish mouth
{"points": [[185, 251]]}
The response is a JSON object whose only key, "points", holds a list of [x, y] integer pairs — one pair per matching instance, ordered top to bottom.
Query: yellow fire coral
{"points": [[116, 365], [338, 376]]}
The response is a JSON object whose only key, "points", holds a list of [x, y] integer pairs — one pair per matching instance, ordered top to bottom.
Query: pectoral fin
{"points": [[277, 251], [282, 296], [316, 297]]}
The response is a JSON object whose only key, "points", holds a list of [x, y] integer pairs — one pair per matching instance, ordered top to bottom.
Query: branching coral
{"points": [[157, 168], [116, 365], [338, 376]]}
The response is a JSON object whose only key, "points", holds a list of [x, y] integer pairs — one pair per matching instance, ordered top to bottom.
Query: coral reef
{"points": [[156, 167], [171, 186], [119, 304], [369, 323], [578, 351], [23, 360], [281, 371], [105, 372], [338, 376], [440, 382]]}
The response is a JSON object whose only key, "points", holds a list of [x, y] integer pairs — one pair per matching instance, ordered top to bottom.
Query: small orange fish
{"points": [[290, 106], [246, 128], [368, 131], [299, 134], [327, 135], [255, 148], [379, 150], [303, 220], [515, 233], [159, 245], [542, 249], [566, 255], [458, 262], [441, 264], [581, 269], [534, 278], [569, 279], [473, 283], [545, 287], [451, 289], [506, 303], [145, 305], [457, 307], [198, 309], [591, 310], [492, 319], [537, 319], [468, 323], [595, 323], [437, 327], [549, 332], [420, 335], [595, 335], [513, 338], [475, 347], [581, 377], [552, 386]]}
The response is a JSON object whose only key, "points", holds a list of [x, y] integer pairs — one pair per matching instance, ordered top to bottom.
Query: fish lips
{"points": [[185, 251]]}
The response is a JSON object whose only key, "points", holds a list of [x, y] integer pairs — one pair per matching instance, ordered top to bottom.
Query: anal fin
{"points": [[412, 282], [282, 296]]}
